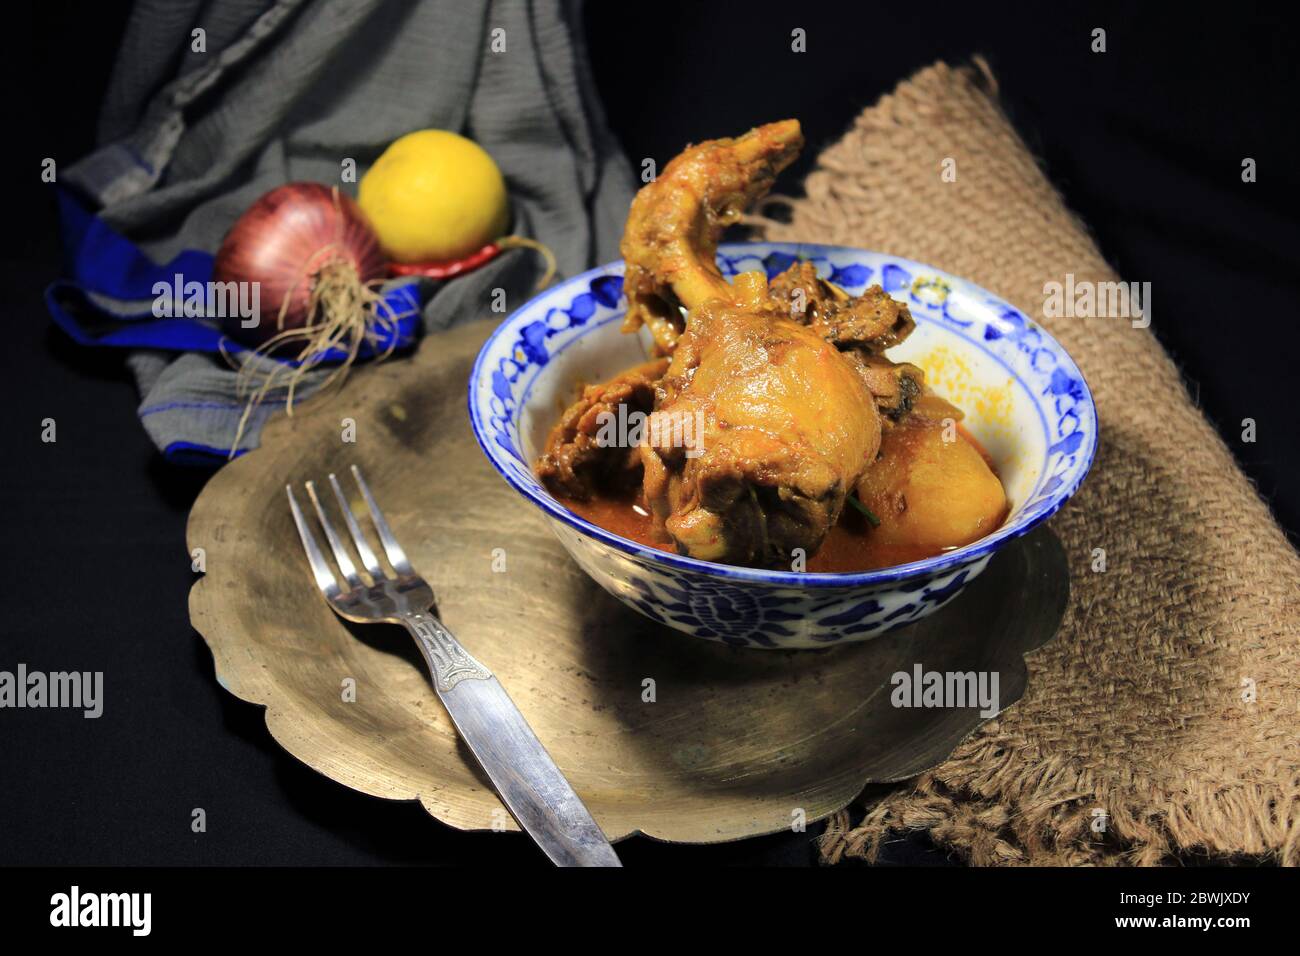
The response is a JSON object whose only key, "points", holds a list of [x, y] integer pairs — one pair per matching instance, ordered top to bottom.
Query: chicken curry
{"points": [[772, 430]]}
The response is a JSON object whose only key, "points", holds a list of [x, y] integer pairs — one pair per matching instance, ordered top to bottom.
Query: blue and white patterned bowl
{"points": [[1024, 399]]}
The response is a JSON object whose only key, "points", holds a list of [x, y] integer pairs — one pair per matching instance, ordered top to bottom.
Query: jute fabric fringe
{"points": [[1165, 717]]}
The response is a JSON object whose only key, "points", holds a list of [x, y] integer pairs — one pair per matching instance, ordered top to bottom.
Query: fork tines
{"points": [[320, 566]]}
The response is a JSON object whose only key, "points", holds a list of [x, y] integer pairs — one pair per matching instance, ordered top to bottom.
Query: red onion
{"points": [[283, 242]]}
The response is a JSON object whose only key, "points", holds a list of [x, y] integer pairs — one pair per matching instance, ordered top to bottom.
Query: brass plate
{"points": [[736, 743]]}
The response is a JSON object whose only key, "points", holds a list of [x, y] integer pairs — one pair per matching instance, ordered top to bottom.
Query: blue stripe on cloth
{"points": [[102, 261], [195, 455]]}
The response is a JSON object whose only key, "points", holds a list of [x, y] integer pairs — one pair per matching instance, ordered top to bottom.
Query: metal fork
{"points": [[526, 778]]}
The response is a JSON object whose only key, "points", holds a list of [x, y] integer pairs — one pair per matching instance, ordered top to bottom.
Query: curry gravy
{"points": [[849, 546]]}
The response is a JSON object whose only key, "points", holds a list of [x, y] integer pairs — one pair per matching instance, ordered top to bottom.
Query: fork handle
{"points": [[449, 663], [525, 776]]}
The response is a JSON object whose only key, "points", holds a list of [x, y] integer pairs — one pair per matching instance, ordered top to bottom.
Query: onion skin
{"points": [[282, 241]]}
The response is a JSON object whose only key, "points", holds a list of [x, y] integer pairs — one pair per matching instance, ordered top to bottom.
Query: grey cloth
{"points": [[288, 90]]}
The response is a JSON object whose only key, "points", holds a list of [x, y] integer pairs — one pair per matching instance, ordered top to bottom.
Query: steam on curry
{"points": [[772, 431]]}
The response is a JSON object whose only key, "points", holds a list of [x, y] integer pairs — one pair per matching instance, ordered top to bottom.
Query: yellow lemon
{"points": [[433, 196]]}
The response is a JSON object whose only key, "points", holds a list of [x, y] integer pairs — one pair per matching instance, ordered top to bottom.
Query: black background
{"points": [[1145, 141]]}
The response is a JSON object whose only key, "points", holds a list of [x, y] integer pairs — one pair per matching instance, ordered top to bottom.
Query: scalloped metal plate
{"points": [[735, 743]]}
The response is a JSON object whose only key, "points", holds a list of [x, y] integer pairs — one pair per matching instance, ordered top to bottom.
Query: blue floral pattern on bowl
{"points": [[787, 609]]}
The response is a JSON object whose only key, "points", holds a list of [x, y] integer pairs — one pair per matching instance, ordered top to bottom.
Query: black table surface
{"points": [[1146, 141]]}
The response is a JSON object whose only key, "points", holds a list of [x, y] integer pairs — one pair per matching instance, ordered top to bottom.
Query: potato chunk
{"points": [[931, 493]]}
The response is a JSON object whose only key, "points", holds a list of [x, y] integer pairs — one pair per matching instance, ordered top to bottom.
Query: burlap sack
{"points": [[1140, 719]]}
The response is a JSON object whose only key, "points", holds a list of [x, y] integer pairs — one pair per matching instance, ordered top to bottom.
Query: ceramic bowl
{"points": [[1025, 401]]}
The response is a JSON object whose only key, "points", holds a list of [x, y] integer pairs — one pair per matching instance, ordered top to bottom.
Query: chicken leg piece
{"points": [[670, 243], [789, 427]]}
